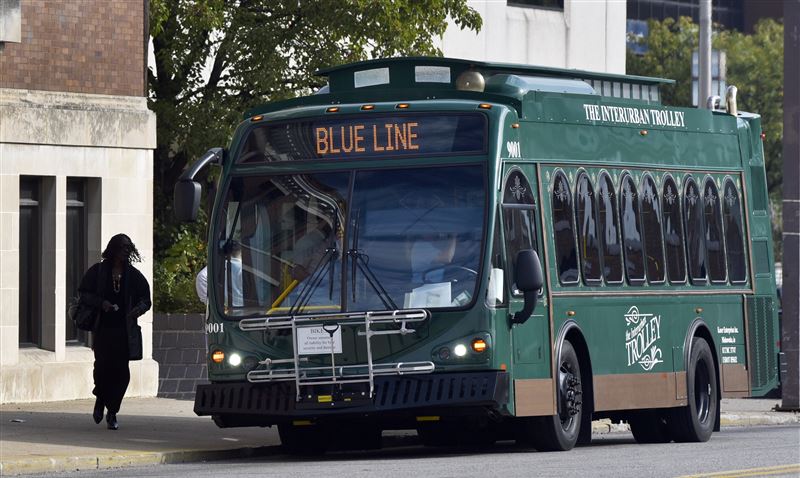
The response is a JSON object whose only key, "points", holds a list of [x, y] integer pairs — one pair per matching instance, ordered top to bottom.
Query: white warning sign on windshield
{"points": [[317, 340]]}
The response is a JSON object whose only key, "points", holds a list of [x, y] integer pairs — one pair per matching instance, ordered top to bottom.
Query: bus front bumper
{"points": [[395, 397]]}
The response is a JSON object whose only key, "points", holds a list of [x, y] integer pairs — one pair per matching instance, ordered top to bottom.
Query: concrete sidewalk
{"points": [[61, 436]]}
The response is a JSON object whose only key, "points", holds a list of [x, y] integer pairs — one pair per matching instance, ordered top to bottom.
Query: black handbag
{"points": [[83, 316], [135, 348]]}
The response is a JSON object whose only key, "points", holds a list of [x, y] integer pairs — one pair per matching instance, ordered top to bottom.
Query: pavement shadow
{"points": [[19, 429]]}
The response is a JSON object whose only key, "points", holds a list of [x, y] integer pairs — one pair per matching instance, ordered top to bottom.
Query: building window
{"points": [[549, 4], [650, 210], [609, 230], [563, 232], [673, 233], [734, 235], [588, 240], [695, 242], [715, 245], [77, 248], [30, 265]]}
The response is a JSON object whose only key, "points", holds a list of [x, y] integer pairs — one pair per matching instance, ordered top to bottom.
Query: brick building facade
{"points": [[76, 167]]}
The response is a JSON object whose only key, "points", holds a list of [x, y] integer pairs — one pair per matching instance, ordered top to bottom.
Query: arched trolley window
{"points": [[518, 218], [695, 227], [652, 229], [609, 230], [631, 231], [563, 232], [673, 232], [734, 233], [588, 240], [715, 244]]}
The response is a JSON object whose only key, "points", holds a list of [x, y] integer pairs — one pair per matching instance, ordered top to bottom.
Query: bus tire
{"points": [[695, 421], [650, 426], [560, 431], [302, 440]]}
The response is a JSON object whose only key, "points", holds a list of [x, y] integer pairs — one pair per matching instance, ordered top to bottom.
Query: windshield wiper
{"points": [[361, 261], [318, 273]]}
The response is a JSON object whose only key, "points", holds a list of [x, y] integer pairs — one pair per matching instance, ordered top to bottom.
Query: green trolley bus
{"points": [[485, 251]]}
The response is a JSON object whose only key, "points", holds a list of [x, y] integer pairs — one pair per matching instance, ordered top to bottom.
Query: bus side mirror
{"points": [[186, 195], [186, 200], [529, 279]]}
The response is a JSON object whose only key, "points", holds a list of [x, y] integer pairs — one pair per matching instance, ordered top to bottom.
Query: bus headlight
{"points": [[460, 350], [235, 360]]}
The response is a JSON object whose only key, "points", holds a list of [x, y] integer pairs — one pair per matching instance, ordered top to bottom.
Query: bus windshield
{"points": [[309, 243]]}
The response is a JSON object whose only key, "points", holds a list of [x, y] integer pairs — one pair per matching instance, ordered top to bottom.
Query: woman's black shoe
{"points": [[97, 414], [111, 421]]}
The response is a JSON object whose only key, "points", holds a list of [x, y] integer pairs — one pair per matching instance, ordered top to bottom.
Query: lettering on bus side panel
{"points": [[634, 116], [643, 331]]}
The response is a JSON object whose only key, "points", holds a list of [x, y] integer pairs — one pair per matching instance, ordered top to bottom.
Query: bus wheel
{"points": [[695, 422], [650, 426], [560, 432], [303, 440]]}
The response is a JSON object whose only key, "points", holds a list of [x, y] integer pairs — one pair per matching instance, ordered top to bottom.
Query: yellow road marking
{"points": [[763, 471]]}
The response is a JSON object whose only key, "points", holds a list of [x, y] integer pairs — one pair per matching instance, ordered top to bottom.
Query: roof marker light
{"points": [[402, 106], [485, 106], [368, 107], [332, 109], [256, 118], [514, 125]]}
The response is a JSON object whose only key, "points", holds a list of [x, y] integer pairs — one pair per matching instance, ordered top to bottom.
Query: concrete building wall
{"points": [[585, 35], [72, 105]]}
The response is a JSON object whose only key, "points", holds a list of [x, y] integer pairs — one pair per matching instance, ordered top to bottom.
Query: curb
{"points": [[122, 460]]}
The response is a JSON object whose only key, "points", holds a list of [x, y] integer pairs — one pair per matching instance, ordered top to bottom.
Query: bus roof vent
{"points": [[518, 85]]}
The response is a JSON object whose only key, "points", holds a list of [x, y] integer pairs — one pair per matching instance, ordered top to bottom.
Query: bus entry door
{"points": [[520, 231]]}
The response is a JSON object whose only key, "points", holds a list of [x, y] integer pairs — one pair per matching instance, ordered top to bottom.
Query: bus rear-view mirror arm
{"points": [[186, 196], [529, 279]]}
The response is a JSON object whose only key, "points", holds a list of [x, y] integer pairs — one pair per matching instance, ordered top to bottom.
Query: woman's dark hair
{"points": [[122, 243]]}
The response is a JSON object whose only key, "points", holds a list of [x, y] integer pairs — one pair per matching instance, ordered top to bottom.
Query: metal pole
{"points": [[704, 55], [790, 335]]}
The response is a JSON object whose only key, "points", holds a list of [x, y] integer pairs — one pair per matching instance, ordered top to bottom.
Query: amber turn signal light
{"points": [[479, 345], [217, 356]]}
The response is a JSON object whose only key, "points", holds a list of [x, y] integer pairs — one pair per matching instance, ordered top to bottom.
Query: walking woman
{"points": [[121, 294]]}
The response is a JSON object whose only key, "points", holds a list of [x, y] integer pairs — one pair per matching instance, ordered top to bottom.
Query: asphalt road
{"points": [[734, 452]]}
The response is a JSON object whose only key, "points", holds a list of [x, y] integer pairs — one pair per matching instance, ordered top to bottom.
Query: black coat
{"points": [[136, 292]]}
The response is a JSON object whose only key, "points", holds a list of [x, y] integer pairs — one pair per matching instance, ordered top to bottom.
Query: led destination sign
{"points": [[367, 137]]}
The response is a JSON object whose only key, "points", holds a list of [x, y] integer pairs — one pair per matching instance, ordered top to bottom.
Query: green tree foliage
{"points": [[214, 59], [754, 65]]}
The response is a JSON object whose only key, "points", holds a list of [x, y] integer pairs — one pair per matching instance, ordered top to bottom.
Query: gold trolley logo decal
{"points": [[643, 332]]}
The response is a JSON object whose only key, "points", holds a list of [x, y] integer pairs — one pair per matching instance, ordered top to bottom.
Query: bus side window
{"points": [[650, 211], [518, 219], [609, 230], [563, 232], [631, 232], [673, 232], [734, 236], [588, 240], [695, 243], [715, 247], [496, 295]]}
